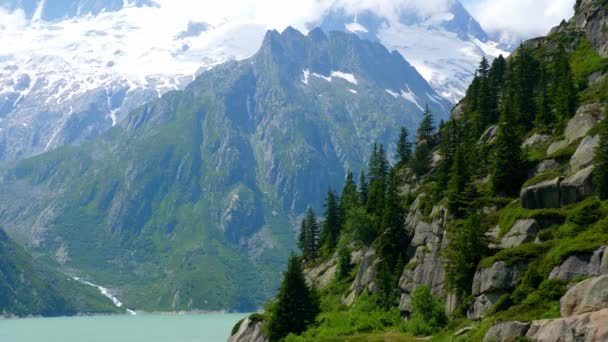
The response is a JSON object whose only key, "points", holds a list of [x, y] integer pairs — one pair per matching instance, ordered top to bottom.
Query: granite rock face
{"points": [[559, 192], [523, 231], [582, 265], [489, 284], [249, 331], [506, 331]]}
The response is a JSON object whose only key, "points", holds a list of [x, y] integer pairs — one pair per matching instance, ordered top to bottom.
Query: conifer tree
{"points": [[497, 72], [564, 90], [544, 115], [427, 126], [404, 147], [600, 160], [421, 162], [507, 164], [378, 171], [457, 185], [363, 188], [350, 197], [332, 223], [309, 236], [392, 244], [343, 261], [296, 306]]}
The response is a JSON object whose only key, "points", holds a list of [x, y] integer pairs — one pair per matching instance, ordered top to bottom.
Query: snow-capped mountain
{"points": [[444, 45], [71, 69]]}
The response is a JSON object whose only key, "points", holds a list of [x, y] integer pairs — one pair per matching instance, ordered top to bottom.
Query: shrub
{"points": [[428, 312]]}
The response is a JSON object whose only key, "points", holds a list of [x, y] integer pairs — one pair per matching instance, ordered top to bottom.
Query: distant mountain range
{"points": [[79, 66], [189, 202]]}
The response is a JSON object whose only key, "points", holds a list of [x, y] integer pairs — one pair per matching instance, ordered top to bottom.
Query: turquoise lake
{"points": [[139, 328]]}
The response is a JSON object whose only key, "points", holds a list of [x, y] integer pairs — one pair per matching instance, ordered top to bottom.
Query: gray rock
{"points": [[458, 111], [586, 118], [489, 135], [535, 141], [556, 146], [583, 156], [545, 166], [576, 187], [542, 195], [523, 231], [581, 265], [322, 274], [499, 277], [365, 279], [587, 296], [482, 304], [588, 327], [249, 331], [506, 331]]}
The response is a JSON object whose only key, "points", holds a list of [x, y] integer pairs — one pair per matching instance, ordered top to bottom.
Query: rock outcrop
{"points": [[586, 118], [535, 141], [583, 156], [559, 192], [523, 231], [426, 265], [582, 265], [365, 279], [489, 284], [587, 296], [584, 311], [249, 331], [506, 332]]}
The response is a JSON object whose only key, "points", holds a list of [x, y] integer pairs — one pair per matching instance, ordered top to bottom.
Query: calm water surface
{"points": [[140, 328]]}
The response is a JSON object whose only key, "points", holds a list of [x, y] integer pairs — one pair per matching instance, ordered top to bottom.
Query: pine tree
{"points": [[523, 84], [564, 89], [544, 115], [427, 126], [404, 148], [600, 160], [421, 163], [507, 164], [378, 173], [457, 185], [363, 188], [350, 197], [333, 222], [309, 236], [392, 244], [343, 262], [296, 306]]}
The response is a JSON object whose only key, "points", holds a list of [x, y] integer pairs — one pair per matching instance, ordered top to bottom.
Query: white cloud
{"points": [[515, 20]]}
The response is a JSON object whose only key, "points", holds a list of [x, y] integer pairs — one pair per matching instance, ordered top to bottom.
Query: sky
{"points": [[515, 20]]}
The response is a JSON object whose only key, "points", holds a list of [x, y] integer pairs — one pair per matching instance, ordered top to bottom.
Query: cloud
{"points": [[515, 20]]}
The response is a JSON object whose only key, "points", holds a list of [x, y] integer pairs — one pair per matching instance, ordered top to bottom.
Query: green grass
{"points": [[513, 212]]}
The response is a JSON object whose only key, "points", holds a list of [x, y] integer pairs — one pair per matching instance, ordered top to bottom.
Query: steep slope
{"points": [[444, 46], [187, 203], [507, 234], [28, 288]]}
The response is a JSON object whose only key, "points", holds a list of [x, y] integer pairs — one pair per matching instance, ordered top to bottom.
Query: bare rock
{"points": [[586, 118], [489, 135], [536, 140], [556, 146], [583, 156], [545, 166], [576, 187], [542, 195], [523, 231], [581, 265], [499, 277], [365, 279], [587, 296], [588, 327], [249, 331], [506, 331]]}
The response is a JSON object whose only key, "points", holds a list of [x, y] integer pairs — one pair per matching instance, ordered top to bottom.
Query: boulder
{"points": [[458, 111], [586, 118], [535, 141], [556, 146], [583, 156], [545, 166], [576, 187], [542, 195], [523, 231], [581, 265], [323, 273], [497, 278], [489, 284], [587, 296], [482, 304], [588, 327], [249, 331], [506, 331]]}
